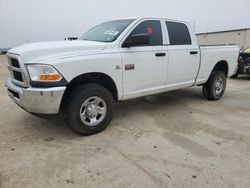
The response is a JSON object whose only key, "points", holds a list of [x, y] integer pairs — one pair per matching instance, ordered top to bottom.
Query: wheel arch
{"points": [[222, 66], [88, 78]]}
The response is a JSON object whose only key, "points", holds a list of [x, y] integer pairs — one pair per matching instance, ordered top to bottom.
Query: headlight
{"points": [[43, 73]]}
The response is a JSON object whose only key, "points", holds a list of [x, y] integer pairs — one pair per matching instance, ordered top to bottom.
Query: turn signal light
{"points": [[50, 77]]}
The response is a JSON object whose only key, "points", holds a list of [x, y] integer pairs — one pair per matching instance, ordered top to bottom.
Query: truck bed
{"points": [[212, 54]]}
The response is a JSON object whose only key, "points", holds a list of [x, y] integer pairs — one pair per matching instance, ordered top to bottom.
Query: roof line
{"points": [[226, 31]]}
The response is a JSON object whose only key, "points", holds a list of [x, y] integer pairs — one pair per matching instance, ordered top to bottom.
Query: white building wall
{"points": [[241, 37], [247, 39]]}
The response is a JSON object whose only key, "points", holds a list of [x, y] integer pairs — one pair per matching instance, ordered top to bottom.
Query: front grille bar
{"points": [[14, 63], [17, 71]]}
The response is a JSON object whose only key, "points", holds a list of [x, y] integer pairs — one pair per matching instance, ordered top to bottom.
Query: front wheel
{"points": [[215, 86], [89, 109]]}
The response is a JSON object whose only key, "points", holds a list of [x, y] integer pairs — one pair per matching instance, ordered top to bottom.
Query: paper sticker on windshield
{"points": [[150, 30], [113, 33]]}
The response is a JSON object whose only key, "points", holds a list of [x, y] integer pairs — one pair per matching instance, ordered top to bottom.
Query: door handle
{"points": [[193, 52], [160, 54]]}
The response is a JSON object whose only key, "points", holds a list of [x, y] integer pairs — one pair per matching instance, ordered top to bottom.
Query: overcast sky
{"points": [[23, 21]]}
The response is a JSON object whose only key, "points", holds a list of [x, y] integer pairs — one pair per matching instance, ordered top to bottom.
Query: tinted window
{"points": [[153, 28], [178, 34]]}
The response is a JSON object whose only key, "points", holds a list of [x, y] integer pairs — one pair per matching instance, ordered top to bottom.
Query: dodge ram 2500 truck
{"points": [[115, 61]]}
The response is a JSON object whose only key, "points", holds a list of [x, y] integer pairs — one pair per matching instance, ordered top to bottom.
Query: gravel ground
{"points": [[176, 139]]}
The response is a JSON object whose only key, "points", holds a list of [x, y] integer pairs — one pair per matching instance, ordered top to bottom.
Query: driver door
{"points": [[145, 66]]}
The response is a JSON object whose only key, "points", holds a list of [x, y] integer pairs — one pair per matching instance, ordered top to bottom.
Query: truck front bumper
{"points": [[36, 100]]}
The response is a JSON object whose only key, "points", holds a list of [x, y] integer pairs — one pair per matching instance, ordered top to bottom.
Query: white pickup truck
{"points": [[115, 61]]}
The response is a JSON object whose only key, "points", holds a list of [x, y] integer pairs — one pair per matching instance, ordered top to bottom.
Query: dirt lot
{"points": [[177, 139]]}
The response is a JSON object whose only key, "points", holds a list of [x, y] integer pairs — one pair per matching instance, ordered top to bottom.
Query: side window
{"points": [[153, 28], [178, 34]]}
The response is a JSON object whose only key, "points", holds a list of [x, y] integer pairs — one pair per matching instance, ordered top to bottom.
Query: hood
{"points": [[35, 52]]}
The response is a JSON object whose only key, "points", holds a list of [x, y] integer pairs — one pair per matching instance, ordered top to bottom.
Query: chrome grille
{"points": [[14, 63], [17, 72], [18, 76]]}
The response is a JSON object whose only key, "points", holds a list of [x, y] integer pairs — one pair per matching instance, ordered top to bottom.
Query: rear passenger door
{"points": [[184, 57]]}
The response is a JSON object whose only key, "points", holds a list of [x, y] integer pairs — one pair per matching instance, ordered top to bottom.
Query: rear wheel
{"points": [[215, 86], [89, 109]]}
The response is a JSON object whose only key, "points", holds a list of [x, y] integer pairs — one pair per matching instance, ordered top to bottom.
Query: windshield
{"points": [[108, 31], [247, 50]]}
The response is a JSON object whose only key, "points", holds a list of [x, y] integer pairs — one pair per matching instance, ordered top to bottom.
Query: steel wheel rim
{"points": [[219, 85], [93, 111]]}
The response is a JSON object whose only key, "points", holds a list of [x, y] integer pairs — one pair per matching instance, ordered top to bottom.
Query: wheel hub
{"points": [[218, 86], [93, 111]]}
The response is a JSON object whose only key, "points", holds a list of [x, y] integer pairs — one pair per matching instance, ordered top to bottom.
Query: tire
{"points": [[215, 86], [89, 109]]}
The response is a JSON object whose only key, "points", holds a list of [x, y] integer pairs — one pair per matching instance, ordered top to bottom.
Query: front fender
{"points": [[107, 64]]}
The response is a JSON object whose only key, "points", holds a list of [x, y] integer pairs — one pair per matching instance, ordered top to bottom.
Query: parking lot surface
{"points": [[176, 139]]}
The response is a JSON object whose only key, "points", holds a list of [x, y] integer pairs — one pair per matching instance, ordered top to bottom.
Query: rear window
{"points": [[178, 34]]}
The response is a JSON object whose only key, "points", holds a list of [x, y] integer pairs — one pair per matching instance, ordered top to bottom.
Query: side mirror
{"points": [[137, 40]]}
